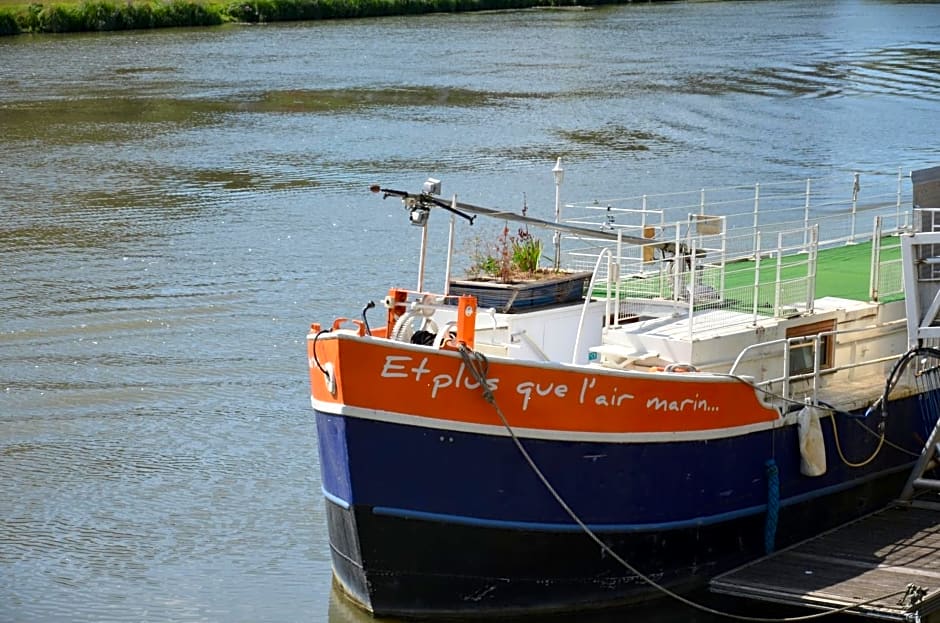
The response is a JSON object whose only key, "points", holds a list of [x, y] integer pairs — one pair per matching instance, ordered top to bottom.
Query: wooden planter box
{"points": [[554, 289]]}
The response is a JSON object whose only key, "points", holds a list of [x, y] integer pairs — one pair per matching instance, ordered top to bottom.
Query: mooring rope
{"points": [[316, 360], [478, 365], [881, 404], [835, 436], [882, 439], [773, 505]]}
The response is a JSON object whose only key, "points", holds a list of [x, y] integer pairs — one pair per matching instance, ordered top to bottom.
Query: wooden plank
{"points": [[863, 560], [861, 564]]}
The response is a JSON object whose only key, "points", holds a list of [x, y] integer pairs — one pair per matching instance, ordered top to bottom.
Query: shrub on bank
{"points": [[285, 10], [97, 15], [8, 23]]}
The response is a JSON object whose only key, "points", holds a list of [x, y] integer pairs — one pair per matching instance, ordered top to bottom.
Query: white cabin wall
{"points": [[554, 331], [865, 338]]}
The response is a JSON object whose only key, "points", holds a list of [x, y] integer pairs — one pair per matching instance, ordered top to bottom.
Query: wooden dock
{"points": [[882, 553]]}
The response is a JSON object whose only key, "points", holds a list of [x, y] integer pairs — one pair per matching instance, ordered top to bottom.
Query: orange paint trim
{"points": [[466, 319], [385, 376]]}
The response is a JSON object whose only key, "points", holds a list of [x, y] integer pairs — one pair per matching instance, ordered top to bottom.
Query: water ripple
{"points": [[907, 72]]}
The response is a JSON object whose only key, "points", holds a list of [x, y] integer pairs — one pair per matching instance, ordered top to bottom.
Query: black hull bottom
{"points": [[415, 568]]}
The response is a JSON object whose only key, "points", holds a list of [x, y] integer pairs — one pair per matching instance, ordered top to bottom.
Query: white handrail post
{"points": [[855, 188], [701, 208], [756, 211], [806, 215], [643, 217], [897, 223], [724, 256], [662, 258], [610, 268], [676, 270], [875, 271], [756, 273], [617, 276], [777, 283], [691, 286], [811, 286], [587, 302], [817, 359]]}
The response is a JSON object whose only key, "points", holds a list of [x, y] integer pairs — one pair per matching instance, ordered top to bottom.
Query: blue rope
{"points": [[773, 505]]}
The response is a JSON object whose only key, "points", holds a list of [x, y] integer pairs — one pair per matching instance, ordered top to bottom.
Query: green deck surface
{"points": [[843, 271]]}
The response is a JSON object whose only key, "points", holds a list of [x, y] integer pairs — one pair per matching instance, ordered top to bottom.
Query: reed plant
{"points": [[99, 15], [508, 259]]}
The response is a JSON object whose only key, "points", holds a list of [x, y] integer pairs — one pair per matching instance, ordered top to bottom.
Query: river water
{"points": [[177, 206]]}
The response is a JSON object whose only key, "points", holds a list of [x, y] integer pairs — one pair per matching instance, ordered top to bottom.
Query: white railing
{"points": [[755, 206], [727, 235], [797, 387]]}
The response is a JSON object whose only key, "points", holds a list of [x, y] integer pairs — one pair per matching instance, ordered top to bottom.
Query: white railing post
{"points": [[855, 188], [701, 208], [756, 211], [806, 215], [643, 217], [897, 223], [724, 256], [610, 269], [676, 269], [875, 271], [756, 273], [779, 273], [663, 277], [811, 285], [691, 286], [587, 302], [617, 312], [817, 344]]}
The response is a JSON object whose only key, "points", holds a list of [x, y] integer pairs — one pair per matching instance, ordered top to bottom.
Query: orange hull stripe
{"points": [[381, 376]]}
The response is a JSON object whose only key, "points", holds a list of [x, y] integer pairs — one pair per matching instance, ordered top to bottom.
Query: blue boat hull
{"points": [[428, 522]]}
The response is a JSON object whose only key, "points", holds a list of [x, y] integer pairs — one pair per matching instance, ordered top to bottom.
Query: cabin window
{"points": [[802, 353]]}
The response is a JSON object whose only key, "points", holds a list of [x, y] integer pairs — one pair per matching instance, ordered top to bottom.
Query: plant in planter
{"points": [[526, 251], [510, 259], [506, 275]]}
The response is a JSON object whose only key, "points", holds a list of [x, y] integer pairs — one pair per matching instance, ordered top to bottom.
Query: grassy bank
{"points": [[98, 15]]}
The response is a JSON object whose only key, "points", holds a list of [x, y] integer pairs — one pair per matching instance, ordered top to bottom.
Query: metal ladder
{"points": [[920, 255], [917, 482]]}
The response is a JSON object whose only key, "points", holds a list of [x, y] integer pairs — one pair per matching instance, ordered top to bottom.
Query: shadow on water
{"points": [[127, 107], [614, 137], [342, 610]]}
